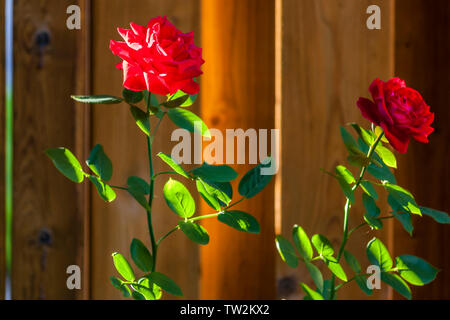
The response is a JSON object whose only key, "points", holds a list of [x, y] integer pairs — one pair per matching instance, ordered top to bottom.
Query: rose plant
{"points": [[158, 59], [397, 114]]}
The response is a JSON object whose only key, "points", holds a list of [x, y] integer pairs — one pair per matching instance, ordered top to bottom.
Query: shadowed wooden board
{"points": [[421, 59], [327, 60], [238, 92], [48, 221], [113, 225]]}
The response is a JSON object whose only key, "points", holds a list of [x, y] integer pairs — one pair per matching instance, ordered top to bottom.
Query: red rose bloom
{"points": [[158, 57], [399, 110]]}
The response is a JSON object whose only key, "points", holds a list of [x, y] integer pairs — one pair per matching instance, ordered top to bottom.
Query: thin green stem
{"points": [[163, 172], [117, 187], [233, 204], [348, 206], [365, 223]]}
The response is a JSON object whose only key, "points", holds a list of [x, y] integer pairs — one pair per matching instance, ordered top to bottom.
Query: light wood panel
{"points": [[421, 59], [327, 60], [238, 92], [47, 217], [114, 225]]}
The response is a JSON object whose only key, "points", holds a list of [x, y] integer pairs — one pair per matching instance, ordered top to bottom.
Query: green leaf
{"points": [[132, 96], [103, 99], [150, 99], [176, 101], [189, 101], [141, 118], [189, 121], [378, 131], [365, 135], [350, 142], [387, 156], [358, 160], [66, 163], [99, 163], [173, 164], [382, 172], [219, 173], [346, 175], [254, 181], [139, 184], [346, 188], [369, 189], [104, 190], [138, 193], [213, 194], [403, 197], [179, 199], [370, 206], [438, 216], [240, 220], [405, 220], [374, 223], [195, 232], [302, 243], [323, 245], [286, 251], [379, 255], [141, 256], [352, 262], [123, 267], [336, 269], [415, 270], [316, 275], [361, 281], [165, 283], [118, 284], [397, 284], [148, 289], [313, 295], [138, 296]]}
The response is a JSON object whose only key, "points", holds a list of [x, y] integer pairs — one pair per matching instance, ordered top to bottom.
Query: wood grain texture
{"points": [[328, 59], [421, 59], [238, 92], [2, 150], [47, 218], [114, 225]]}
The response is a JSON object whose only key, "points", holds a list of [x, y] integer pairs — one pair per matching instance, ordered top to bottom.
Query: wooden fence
{"points": [[296, 65]]}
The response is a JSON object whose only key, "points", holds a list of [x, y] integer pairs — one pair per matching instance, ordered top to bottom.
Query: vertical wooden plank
{"points": [[328, 59], [421, 59], [238, 92], [2, 150], [47, 217], [115, 224]]}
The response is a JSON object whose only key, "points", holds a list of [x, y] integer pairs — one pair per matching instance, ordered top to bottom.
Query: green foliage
{"points": [[132, 96], [100, 99], [189, 100], [176, 101], [141, 118], [188, 121], [387, 156], [66, 163], [99, 163], [173, 164], [218, 173], [345, 179], [254, 181], [138, 184], [369, 189], [104, 190], [214, 194], [403, 197], [179, 199], [370, 206], [438, 216], [240, 220], [194, 232], [302, 243], [323, 246], [286, 251], [379, 255], [141, 256], [352, 262], [123, 267], [415, 270], [316, 275], [165, 283], [396, 283], [118, 284], [311, 294]]}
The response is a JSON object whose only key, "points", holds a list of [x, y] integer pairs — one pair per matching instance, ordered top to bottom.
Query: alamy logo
{"points": [[74, 20], [374, 20], [74, 280], [374, 280]]}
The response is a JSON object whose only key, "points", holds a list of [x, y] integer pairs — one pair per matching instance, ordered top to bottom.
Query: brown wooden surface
{"points": [[328, 59], [421, 59], [238, 92], [2, 150], [47, 220], [114, 225]]}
